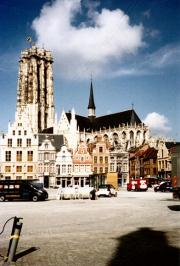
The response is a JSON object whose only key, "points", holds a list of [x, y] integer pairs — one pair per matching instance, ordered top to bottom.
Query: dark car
{"points": [[165, 186], [22, 190]]}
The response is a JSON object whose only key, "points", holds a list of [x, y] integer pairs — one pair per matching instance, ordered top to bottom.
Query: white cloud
{"points": [[90, 46], [166, 56], [151, 64], [157, 123]]}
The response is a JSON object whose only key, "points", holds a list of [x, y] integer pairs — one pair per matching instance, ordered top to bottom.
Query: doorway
{"points": [[46, 181]]}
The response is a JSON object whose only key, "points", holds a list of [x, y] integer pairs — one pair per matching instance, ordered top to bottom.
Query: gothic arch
{"points": [[124, 135], [131, 135], [138, 135], [144, 135], [105, 137], [95, 138], [115, 138]]}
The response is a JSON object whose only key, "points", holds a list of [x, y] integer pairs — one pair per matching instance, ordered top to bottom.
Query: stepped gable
{"points": [[106, 121]]}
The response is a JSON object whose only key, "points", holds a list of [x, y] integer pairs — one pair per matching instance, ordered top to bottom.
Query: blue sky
{"points": [[131, 48]]}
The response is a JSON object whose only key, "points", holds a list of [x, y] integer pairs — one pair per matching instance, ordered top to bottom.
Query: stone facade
{"points": [[35, 92], [19, 151], [46, 163], [119, 163], [82, 165], [64, 167]]}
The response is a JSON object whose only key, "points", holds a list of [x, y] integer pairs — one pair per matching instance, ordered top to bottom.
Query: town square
{"points": [[89, 133], [135, 228]]}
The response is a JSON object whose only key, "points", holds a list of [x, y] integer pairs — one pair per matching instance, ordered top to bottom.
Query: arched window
{"points": [[123, 135], [138, 135], [144, 135], [105, 137], [115, 138], [131, 138]]}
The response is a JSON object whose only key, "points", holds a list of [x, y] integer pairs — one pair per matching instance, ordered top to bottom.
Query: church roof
{"points": [[106, 121], [171, 144]]}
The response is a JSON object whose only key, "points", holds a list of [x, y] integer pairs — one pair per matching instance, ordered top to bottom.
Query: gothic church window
{"points": [[105, 137], [115, 138], [131, 138]]}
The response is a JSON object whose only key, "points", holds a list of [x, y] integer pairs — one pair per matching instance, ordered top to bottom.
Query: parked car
{"points": [[164, 186], [22, 189], [106, 190], [74, 192]]}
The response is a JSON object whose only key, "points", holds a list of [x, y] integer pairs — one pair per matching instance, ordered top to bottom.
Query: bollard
{"points": [[15, 234], [14, 243]]}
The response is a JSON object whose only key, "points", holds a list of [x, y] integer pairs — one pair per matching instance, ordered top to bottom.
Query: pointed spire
{"points": [[91, 105]]}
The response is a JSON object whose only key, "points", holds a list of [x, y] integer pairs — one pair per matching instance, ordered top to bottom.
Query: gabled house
{"points": [[82, 163]]}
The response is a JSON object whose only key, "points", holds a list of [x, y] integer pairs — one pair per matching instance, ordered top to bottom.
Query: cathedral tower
{"points": [[35, 92]]}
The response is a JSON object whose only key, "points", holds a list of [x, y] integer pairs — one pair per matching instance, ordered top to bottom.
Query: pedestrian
{"points": [[93, 194]]}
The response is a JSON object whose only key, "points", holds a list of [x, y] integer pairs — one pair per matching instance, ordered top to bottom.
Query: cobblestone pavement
{"points": [[136, 228]]}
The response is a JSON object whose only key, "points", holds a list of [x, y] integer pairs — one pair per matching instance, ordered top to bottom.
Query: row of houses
{"points": [[47, 157], [152, 162]]}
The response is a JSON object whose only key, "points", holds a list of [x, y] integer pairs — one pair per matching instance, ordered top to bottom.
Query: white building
{"points": [[49, 145], [19, 150], [119, 162], [82, 165], [64, 167]]}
